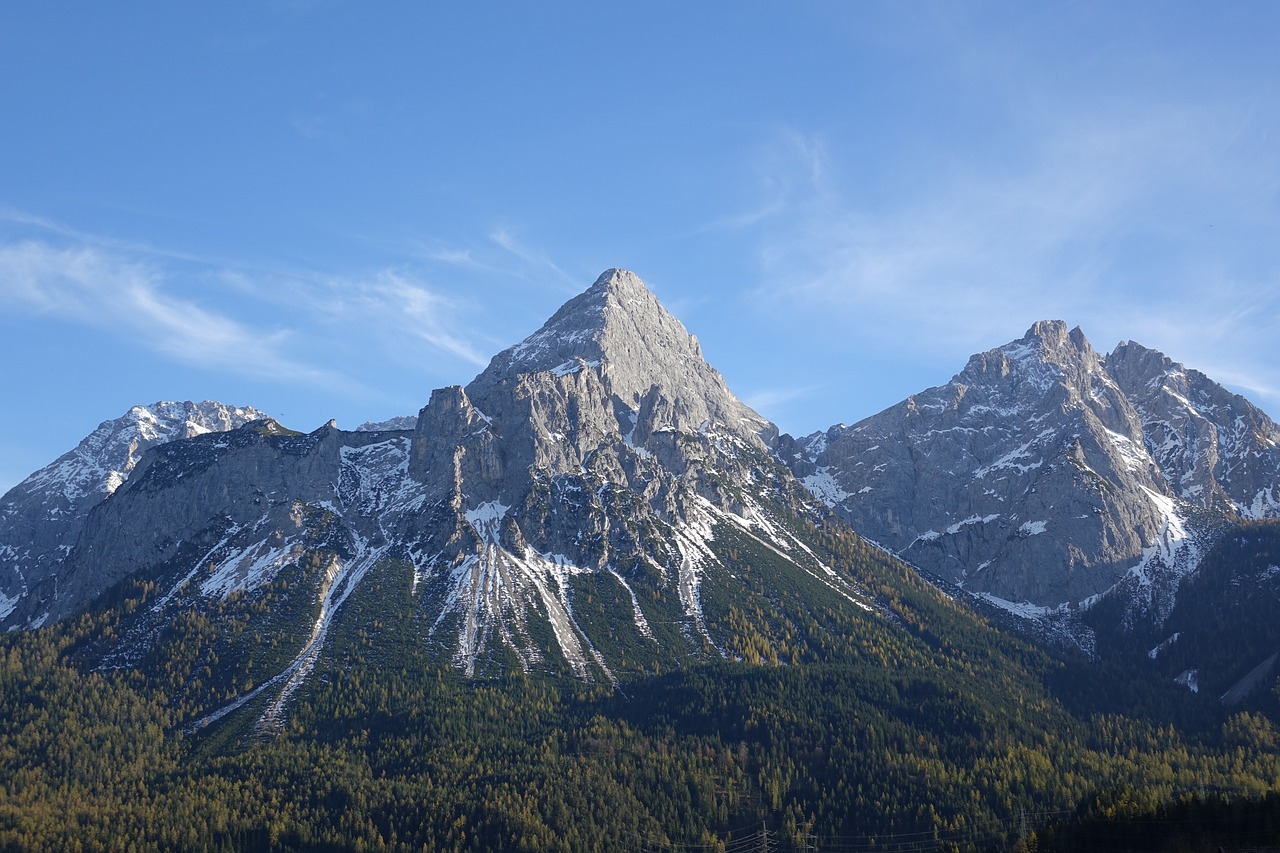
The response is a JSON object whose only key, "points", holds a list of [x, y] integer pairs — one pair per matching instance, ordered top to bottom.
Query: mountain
{"points": [[601, 446], [1216, 449], [1045, 475], [595, 501], [44, 514], [581, 604]]}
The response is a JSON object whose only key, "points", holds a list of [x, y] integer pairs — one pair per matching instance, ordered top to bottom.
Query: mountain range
{"points": [[603, 452], [749, 625]]}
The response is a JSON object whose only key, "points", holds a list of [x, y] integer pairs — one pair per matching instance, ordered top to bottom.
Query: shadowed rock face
{"points": [[1043, 472]]}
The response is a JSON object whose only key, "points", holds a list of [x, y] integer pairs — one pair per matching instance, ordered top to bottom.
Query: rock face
{"points": [[611, 363], [599, 441], [1216, 449], [1044, 473], [597, 500], [41, 517]]}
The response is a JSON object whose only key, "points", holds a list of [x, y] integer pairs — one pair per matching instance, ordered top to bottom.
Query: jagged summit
{"points": [[619, 330], [1047, 353], [600, 443], [1215, 448], [1047, 473], [1025, 477]]}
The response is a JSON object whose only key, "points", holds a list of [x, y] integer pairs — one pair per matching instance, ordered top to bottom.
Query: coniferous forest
{"points": [[922, 728]]}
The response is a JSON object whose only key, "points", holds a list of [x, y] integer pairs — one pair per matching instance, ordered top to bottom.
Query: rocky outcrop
{"points": [[611, 393]]}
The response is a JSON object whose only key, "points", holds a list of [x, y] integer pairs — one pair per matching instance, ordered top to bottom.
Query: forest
{"points": [[827, 732]]}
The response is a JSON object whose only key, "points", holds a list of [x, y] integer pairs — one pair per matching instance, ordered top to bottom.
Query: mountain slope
{"points": [[1216, 449], [579, 605]]}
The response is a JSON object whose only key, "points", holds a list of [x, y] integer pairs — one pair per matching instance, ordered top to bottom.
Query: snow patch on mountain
{"points": [[574, 365], [1132, 455], [1011, 461], [824, 487], [1265, 504], [487, 519], [973, 519], [754, 522], [693, 541], [251, 567], [340, 579], [491, 591], [7, 604], [1021, 609], [642, 623], [1155, 652]]}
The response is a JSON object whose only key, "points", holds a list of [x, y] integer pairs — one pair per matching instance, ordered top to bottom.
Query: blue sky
{"points": [[328, 209]]}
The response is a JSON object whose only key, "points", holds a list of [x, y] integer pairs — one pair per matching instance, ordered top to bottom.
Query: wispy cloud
{"points": [[1103, 222], [536, 259], [96, 289], [402, 307], [247, 321], [765, 400]]}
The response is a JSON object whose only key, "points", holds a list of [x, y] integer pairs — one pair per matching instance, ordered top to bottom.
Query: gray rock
{"points": [[1216, 449], [597, 457], [1026, 477], [41, 518]]}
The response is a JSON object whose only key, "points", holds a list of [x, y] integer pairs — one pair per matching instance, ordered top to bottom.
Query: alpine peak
{"points": [[618, 330]]}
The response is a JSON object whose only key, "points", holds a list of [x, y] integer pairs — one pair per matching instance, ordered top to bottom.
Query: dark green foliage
{"points": [[1228, 614], [1226, 622], [910, 726], [1195, 824]]}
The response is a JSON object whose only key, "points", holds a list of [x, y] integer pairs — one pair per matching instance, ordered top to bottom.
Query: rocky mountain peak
{"points": [[586, 328], [618, 330], [1047, 349], [1134, 365], [1215, 448], [1025, 477], [49, 508]]}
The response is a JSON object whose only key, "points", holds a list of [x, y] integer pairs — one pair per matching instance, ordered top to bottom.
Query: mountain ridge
{"points": [[602, 456], [66, 490]]}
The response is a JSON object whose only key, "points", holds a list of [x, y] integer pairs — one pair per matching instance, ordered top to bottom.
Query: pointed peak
{"points": [[619, 282], [618, 310], [586, 311], [619, 330], [1133, 349], [1136, 366]]}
